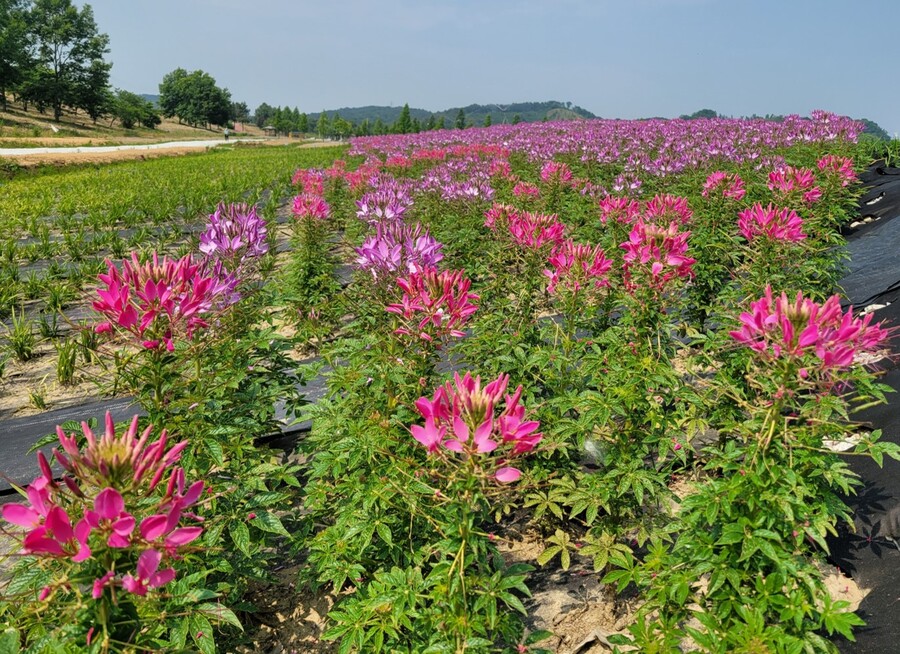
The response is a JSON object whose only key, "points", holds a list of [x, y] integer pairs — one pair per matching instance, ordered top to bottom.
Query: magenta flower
{"points": [[837, 167], [556, 172], [310, 181], [790, 181], [727, 185], [526, 190], [388, 204], [311, 206], [620, 209], [665, 209], [498, 216], [770, 223], [534, 231], [398, 248], [659, 251], [575, 266], [156, 301], [435, 305], [778, 327], [461, 417], [121, 462], [30, 516], [109, 516], [57, 537], [148, 574]]}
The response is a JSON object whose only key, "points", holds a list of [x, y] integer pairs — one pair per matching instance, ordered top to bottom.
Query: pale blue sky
{"points": [[616, 58]]}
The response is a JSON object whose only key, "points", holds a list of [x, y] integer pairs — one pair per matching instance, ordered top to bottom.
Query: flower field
{"points": [[525, 332]]}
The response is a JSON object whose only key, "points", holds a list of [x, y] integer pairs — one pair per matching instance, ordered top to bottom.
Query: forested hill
{"points": [[475, 114]]}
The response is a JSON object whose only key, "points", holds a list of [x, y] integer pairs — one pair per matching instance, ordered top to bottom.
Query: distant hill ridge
{"points": [[475, 113]]}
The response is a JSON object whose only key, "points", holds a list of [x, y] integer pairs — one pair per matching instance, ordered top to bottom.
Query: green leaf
{"points": [[215, 451], [269, 522], [384, 533], [240, 535], [220, 613], [202, 634], [538, 636], [9, 642]]}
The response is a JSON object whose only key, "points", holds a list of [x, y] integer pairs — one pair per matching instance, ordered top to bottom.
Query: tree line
{"points": [[53, 57], [285, 120]]}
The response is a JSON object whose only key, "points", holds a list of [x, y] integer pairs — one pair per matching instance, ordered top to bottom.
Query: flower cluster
{"points": [[839, 167], [555, 172], [788, 180], [309, 181], [728, 185], [526, 190], [309, 205], [384, 205], [619, 209], [665, 209], [770, 223], [534, 231], [235, 234], [398, 248], [663, 248], [576, 266], [156, 301], [435, 304], [777, 327], [462, 417], [106, 511]]}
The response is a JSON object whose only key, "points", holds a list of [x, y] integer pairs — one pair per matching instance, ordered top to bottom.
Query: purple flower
{"points": [[235, 232], [398, 248]]}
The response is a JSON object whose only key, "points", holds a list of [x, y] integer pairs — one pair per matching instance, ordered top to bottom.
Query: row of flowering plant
{"points": [[112, 532]]}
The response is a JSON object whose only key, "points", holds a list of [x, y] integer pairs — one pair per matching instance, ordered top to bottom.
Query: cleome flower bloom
{"points": [[838, 167], [556, 172], [788, 180], [727, 185], [387, 204], [313, 206], [620, 209], [665, 209], [770, 223], [534, 231], [235, 233], [398, 248], [659, 251], [576, 266], [157, 301], [435, 304], [777, 327], [462, 417], [110, 482]]}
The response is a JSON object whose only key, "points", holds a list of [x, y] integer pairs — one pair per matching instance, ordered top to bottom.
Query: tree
{"points": [[15, 46], [69, 52], [91, 91], [194, 98], [131, 109], [240, 111], [703, 113], [263, 115], [461, 119], [516, 119], [487, 120], [404, 122], [303, 123], [430, 123], [441, 123], [322, 125], [416, 126], [378, 128]]}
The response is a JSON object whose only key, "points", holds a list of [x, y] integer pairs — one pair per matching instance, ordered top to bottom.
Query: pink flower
{"points": [[840, 168], [556, 172], [789, 181], [728, 185], [526, 190], [311, 206], [619, 209], [665, 209], [771, 223], [534, 231], [659, 251], [575, 265], [155, 301], [435, 304], [779, 327], [461, 417], [109, 516], [56, 537], [147, 575], [101, 583]]}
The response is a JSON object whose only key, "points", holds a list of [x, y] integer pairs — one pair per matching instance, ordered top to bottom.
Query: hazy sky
{"points": [[616, 58]]}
